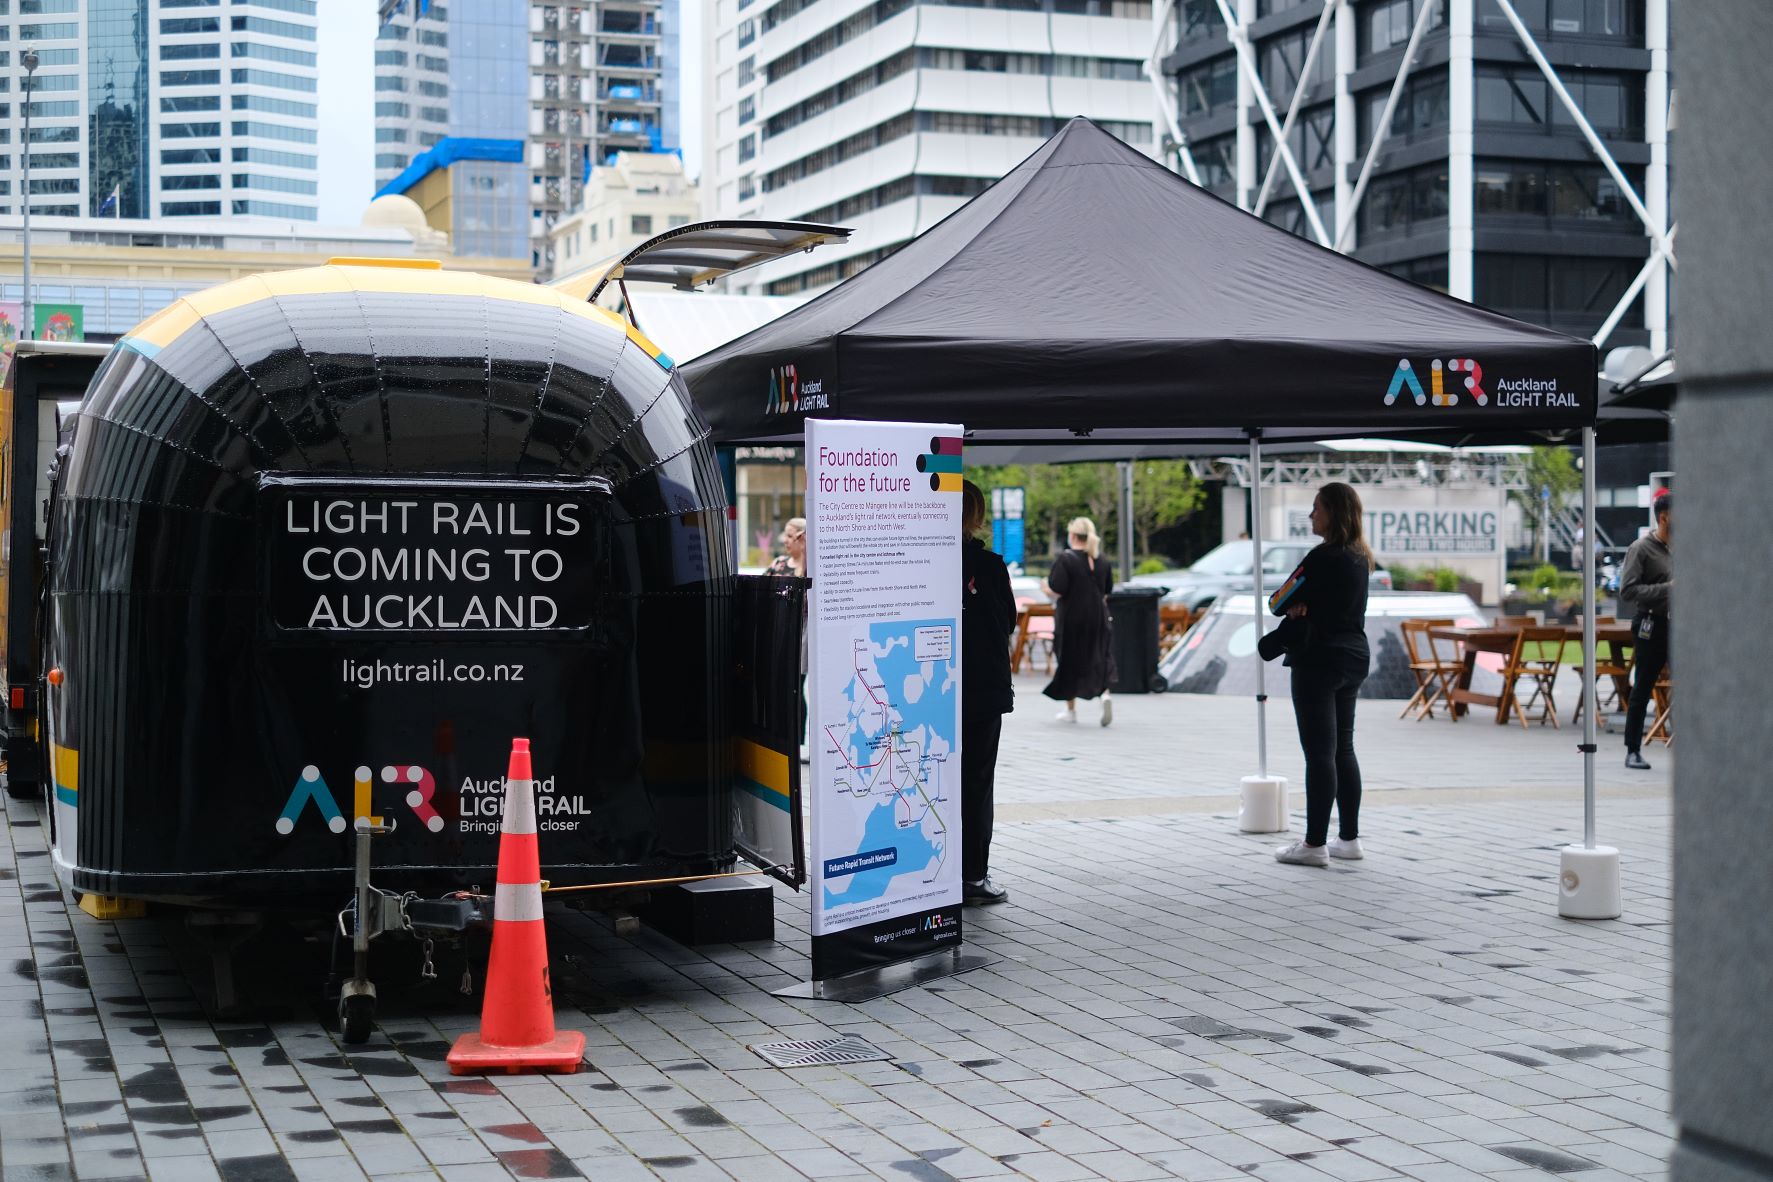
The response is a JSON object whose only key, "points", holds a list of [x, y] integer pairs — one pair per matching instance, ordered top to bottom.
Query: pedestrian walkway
{"points": [[1168, 1002]]}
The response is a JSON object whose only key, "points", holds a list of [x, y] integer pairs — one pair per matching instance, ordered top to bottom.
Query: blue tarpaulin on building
{"points": [[449, 150]]}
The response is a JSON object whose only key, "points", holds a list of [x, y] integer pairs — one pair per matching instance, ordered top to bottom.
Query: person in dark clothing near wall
{"points": [[1646, 585], [1325, 602], [988, 617]]}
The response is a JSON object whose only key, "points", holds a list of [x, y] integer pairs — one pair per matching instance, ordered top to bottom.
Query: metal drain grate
{"points": [[819, 1052]]}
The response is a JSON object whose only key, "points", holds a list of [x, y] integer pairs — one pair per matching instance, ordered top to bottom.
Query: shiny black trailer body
{"points": [[255, 655]]}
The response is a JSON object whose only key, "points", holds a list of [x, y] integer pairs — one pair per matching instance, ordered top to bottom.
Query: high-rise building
{"points": [[569, 85], [596, 89], [161, 108], [888, 116], [452, 120], [1485, 183]]}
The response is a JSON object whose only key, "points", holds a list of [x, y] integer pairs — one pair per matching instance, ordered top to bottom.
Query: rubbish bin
{"points": [[1134, 610]]}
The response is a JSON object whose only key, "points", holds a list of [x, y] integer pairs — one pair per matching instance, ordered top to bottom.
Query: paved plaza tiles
{"points": [[1168, 1002]]}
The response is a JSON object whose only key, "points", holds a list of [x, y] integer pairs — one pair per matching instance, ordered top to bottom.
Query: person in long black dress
{"points": [[1079, 584], [1327, 594], [988, 617]]}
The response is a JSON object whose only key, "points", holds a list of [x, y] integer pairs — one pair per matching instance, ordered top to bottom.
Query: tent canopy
{"points": [[1092, 295]]}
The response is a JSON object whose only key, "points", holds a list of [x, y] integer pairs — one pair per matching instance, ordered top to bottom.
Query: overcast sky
{"points": [[347, 98]]}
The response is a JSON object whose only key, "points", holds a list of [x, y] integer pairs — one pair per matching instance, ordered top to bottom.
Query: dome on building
{"points": [[395, 209]]}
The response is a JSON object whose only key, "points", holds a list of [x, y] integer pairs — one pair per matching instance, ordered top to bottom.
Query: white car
{"points": [[1225, 570]]}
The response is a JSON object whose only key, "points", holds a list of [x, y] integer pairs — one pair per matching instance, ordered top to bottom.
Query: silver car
{"points": [[1225, 570]]}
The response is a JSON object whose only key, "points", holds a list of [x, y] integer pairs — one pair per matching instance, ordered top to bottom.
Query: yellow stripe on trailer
{"points": [[415, 277], [765, 769], [64, 772]]}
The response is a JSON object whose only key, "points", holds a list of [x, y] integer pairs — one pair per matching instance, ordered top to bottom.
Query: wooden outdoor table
{"points": [[1473, 641], [1020, 648]]}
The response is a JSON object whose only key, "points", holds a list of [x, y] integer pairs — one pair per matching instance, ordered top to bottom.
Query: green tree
{"points": [[1552, 468], [1164, 492]]}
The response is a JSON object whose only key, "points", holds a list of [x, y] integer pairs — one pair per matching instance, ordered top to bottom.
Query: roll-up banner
{"points": [[883, 692]]}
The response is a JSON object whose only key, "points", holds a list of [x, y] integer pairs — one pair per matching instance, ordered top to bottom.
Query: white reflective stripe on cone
{"points": [[520, 806], [517, 901]]}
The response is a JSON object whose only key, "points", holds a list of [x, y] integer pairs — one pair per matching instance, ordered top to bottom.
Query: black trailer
{"points": [[43, 384], [327, 540]]}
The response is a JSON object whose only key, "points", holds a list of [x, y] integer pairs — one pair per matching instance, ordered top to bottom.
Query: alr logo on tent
{"points": [[1404, 377], [784, 390], [789, 395]]}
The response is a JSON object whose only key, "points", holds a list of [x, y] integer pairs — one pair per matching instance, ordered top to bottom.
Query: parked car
{"points": [[1225, 570]]}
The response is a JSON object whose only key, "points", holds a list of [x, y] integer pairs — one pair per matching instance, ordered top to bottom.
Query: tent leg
{"points": [[1126, 519], [1262, 798], [1588, 885]]}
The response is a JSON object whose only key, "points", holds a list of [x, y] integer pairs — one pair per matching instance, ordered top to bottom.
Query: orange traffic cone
{"points": [[517, 1019]]}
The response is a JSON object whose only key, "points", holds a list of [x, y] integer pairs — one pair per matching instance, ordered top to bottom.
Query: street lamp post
{"points": [[28, 59]]}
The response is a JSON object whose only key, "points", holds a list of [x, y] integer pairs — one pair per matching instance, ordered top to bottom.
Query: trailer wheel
{"points": [[356, 1014]]}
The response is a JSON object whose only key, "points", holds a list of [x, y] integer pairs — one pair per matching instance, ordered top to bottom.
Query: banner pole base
{"points": [[1262, 804], [1588, 882], [871, 983]]}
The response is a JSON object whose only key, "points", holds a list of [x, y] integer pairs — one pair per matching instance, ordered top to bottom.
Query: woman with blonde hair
{"points": [[1079, 584], [1327, 600]]}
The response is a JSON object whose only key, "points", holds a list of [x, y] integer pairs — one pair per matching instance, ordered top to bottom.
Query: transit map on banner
{"points": [[883, 692]]}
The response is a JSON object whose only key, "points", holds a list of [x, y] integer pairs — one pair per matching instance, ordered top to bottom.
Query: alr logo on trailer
{"points": [[1404, 377]]}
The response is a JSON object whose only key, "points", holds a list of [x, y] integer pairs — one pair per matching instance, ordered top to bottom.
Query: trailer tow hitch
{"points": [[373, 912]]}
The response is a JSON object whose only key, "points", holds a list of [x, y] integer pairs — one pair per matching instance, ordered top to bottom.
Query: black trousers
{"points": [[1648, 661], [1323, 704], [979, 736]]}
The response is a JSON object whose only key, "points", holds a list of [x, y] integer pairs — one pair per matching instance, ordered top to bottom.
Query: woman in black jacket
{"points": [[1326, 599], [988, 616]]}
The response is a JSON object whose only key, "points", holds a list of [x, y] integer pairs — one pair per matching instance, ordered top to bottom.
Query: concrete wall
{"points": [[1723, 914]]}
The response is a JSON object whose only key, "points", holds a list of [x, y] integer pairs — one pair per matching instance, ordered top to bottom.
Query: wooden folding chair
{"points": [[1173, 622], [1019, 645], [1535, 657], [1612, 674], [1435, 677], [1662, 695]]}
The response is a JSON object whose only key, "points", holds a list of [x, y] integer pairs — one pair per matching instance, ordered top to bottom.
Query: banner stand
{"points": [[883, 514], [870, 984]]}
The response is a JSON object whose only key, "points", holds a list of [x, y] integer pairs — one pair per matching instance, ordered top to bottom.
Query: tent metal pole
{"points": [[1126, 519], [1260, 597], [1589, 695]]}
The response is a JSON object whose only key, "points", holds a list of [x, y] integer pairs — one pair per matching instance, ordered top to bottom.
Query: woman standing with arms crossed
{"points": [[1079, 583], [1327, 597]]}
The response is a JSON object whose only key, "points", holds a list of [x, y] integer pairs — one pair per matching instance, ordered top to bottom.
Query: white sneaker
{"points": [[1107, 709], [1066, 716], [1349, 850], [1300, 854]]}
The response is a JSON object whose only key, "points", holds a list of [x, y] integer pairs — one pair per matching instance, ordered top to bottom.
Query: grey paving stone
{"points": [[1428, 1010]]}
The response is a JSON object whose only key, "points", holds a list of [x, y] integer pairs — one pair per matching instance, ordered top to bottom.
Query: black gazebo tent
{"points": [[1092, 293], [1093, 296]]}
